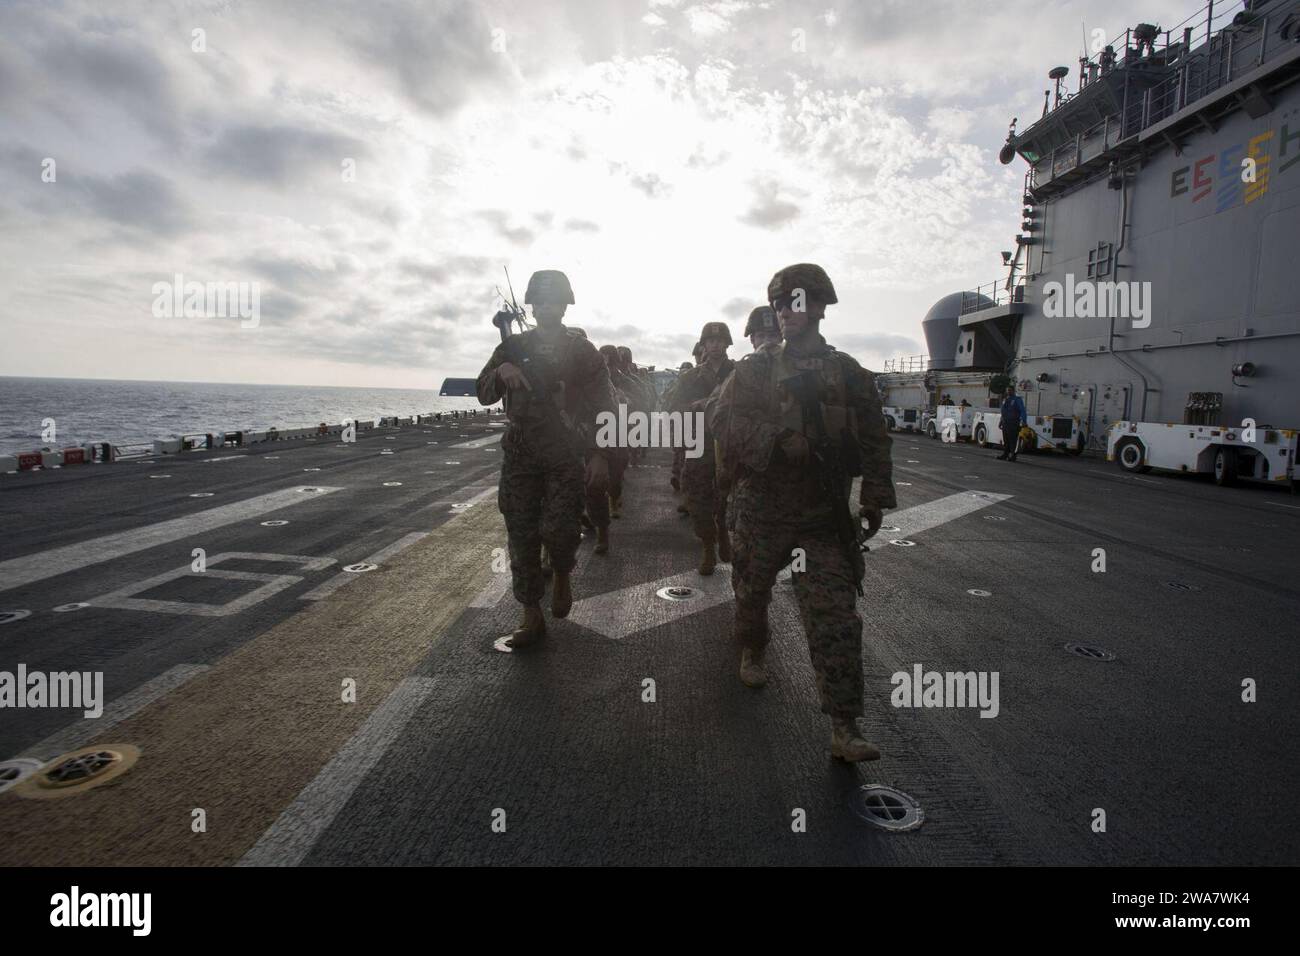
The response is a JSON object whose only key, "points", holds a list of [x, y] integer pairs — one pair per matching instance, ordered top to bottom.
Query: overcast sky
{"points": [[668, 155]]}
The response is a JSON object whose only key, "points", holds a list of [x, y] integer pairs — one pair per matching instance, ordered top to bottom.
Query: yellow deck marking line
{"points": [[242, 740]]}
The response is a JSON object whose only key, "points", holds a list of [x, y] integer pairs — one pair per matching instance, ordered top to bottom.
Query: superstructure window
{"points": [[1100, 260]]}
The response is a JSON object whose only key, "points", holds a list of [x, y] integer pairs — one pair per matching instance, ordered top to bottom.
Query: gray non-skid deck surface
{"points": [[587, 772]]}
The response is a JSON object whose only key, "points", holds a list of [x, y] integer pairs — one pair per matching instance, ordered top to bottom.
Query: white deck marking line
{"points": [[476, 443], [1280, 505], [401, 544], [30, 568], [327, 588], [125, 599], [618, 614], [129, 704], [291, 837]]}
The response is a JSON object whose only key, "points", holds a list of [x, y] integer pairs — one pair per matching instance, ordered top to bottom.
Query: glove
{"points": [[874, 518]]}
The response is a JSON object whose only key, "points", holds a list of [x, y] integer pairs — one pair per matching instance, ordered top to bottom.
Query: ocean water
{"points": [[128, 413]]}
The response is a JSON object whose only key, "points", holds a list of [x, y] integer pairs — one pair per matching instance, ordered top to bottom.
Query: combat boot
{"points": [[616, 506], [602, 540], [724, 544], [708, 559], [561, 595], [531, 631], [752, 673], [847, 745]]}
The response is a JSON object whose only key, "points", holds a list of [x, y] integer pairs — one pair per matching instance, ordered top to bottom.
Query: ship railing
{"points": [[1199, 27], [1209, 50], [1230, 50], [991, 294], [907, 363]]}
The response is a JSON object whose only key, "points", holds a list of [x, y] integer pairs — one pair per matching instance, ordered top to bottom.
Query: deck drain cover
{"points": [[391, 438], [431, 443], [386, 451], [271, 457], [912, 461], [451, 463], [311, 469], [160, 476], [975, 477], [392, 484], [907, 484], [309, 489], [201, 494], [462, 505], [994, 518], [274, 524], [890, 529], [902, 542], [360, 567], [1180, 586], [977, 592], [677, 593], [71, 607], [8, 617], [502, 644], [1090, 651], [79, 770], [14, 772], [887, 808]]}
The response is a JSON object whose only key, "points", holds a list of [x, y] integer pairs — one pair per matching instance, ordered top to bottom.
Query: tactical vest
{"points": [[544, 363], [836, 411]]}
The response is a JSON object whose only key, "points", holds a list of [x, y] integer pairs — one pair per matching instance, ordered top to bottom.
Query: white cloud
{"points": [[669, 171]]}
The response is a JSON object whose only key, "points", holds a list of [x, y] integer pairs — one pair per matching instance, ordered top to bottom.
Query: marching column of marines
{"points": [[787, 429]]}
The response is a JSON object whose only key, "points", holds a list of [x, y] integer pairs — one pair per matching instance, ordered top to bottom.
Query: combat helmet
{"points": [[814, 281], [549, 285], [762, 319], [715, 330], [697, 350]]}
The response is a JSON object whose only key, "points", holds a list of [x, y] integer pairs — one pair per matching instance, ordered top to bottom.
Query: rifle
{"points": [[512, 314], [834, 473]]}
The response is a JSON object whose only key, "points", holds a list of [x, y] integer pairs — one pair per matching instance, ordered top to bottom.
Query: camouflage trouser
{"points": [[679, 459], [617, 466], [541, 498], [597, 499], [707, 504], [826, 591]]}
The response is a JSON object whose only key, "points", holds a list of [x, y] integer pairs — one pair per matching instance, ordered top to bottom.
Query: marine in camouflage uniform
{"points": [[761, 329], [554, 384], [641, 394], [679, 454], [618, 457], [779, 501], [705, 502]]}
